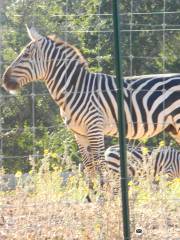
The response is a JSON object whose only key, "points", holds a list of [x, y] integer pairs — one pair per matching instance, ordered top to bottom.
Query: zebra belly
{"points": [[135, 132]]}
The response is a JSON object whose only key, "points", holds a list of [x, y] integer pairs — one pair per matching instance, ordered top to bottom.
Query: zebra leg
{"points": [[96, 140], [84, 148]]}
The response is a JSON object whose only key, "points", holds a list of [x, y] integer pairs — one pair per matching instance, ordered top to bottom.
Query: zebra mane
{"points": [[81, 58]]}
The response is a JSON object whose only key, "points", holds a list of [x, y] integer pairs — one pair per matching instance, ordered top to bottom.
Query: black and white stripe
{"points": [[87, 100], [165, 160]]}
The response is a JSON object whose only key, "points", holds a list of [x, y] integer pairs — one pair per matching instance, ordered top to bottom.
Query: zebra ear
{"points": [[33, 34]]}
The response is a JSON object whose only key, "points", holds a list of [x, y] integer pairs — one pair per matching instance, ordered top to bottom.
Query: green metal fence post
{"points": [[121, 118]]}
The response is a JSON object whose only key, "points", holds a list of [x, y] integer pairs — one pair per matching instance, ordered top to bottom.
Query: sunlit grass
{"points": [[49, 208]]}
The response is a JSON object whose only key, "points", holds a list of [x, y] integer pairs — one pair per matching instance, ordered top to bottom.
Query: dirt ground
{"points": [[23, 217]]}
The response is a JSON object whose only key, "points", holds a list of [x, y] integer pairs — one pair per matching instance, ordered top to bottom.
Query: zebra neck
{"points": [[67, 79]]}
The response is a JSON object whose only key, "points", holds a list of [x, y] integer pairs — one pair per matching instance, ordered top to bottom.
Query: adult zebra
{"points": [[87, 100], [165, 160]]}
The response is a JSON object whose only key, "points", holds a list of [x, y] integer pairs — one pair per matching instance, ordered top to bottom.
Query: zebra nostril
{"points": [[8, 82], [11, 84]]}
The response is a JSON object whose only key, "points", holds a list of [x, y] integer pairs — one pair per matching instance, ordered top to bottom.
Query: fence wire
{"points": [[33, 115]]}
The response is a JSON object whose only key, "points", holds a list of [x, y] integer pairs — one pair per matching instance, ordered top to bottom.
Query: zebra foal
{"points": [[87, 100], [165, 160]]}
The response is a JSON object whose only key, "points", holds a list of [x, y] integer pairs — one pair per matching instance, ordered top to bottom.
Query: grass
{"points": [[44, 209]]}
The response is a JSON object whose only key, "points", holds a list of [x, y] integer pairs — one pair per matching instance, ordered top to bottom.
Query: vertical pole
{"points": [[1, 99], [121, 119]]}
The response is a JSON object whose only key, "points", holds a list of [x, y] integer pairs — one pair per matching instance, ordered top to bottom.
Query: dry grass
{"points": [[44, 210]]}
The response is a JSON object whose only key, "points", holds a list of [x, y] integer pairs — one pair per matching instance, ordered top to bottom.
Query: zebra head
{"points": [[44, 58], [28, 65]]}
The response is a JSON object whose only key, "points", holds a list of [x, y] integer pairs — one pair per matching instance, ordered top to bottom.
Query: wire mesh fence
{"points": [[31, 128]]}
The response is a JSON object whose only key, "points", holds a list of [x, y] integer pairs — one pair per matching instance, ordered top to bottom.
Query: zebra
{"points": [[87, 100], [165, 160]]}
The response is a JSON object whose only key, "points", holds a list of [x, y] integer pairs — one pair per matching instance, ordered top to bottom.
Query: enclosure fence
{"points": [[30, 122]]}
